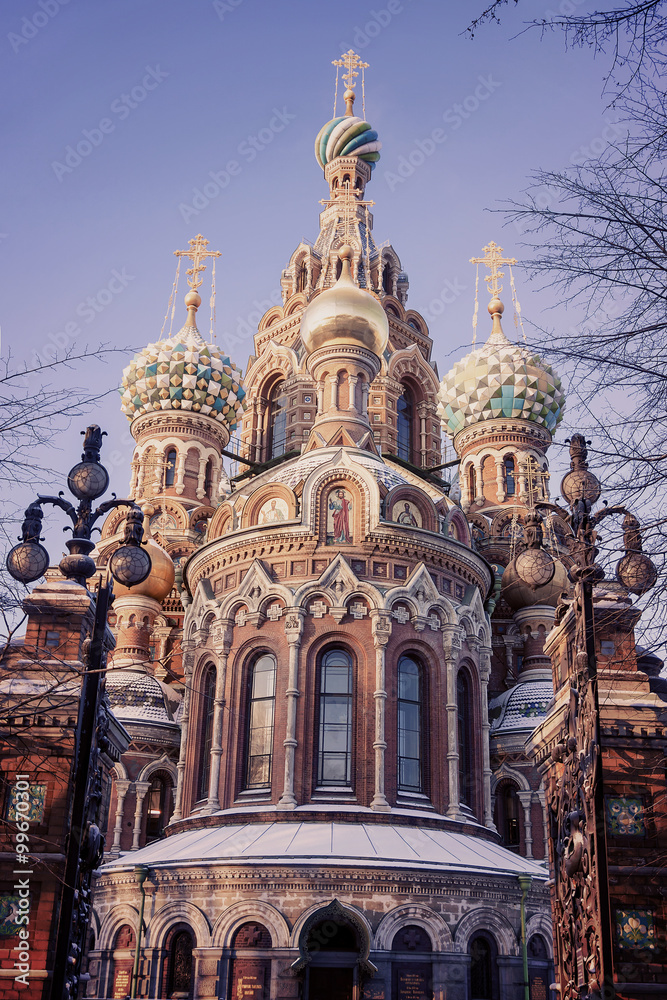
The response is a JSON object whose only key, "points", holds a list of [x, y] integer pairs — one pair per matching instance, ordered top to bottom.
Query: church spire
{"points": [[493, 259]]}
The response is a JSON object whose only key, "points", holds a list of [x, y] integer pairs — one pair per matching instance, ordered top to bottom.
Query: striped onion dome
{"points": [[347, 136], [183, 373], [500, 379]]}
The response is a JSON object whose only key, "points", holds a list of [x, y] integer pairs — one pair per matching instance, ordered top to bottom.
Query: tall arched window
{"points": [[301, 277], [387, 284], [404, 423], [277, 426], [170, 467], [208, 477], [510, 481], [472, 483], [261, 709], [206, 724], [409, 725], [465, 734], [334, 756], [158, 806], [508, 814], [179, 968], [483, 968]]}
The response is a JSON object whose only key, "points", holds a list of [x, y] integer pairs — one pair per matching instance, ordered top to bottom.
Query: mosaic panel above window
{"points": [[36, 800], [625, 816], [9, 911], [635, 929]]}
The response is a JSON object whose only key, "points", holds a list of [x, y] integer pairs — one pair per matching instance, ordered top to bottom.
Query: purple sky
{"points": [[170, 91]]}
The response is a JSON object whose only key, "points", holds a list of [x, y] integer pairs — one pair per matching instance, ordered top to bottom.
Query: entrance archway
{"points": [[334, 946]]}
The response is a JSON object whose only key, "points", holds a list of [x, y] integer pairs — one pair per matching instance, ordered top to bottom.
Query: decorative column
{"points": [[333, 382], [365, 387], [319, 389], [352, 391], [423, 413], [140, 477], [201, 477], [134, 478], [179, 479], [479, 479], [500, 479], [381, 629], [293, 632], [223, 635], [451, 648], [484, 674], [180, 767], [122, 788], [141, 788], [526, 799], [542, 799]]}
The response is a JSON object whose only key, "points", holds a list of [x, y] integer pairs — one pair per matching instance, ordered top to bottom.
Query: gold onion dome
{"points": [[345, 315], [183, 372], [500, 379], [159, 582]]}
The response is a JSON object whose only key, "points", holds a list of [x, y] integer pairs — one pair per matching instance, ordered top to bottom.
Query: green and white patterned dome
{"points": [[347, 136], [183, 373], [500, 379]]}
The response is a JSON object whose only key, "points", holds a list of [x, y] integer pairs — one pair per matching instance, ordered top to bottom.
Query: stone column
{"points": [[333, 383], [319, 390], [352, 391], [364, 398], [423, 412], [134, 477], [140, 477], [201, 477], [179, 478], [500, 478], [479, 479], [381, 629], [293, 632], [223, 635], [451, 648], [485, 673], [122, 787], [141, 788], [541, 798], [526, 799], [178, 804]]}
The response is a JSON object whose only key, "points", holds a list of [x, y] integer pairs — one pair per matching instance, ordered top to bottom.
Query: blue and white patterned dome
{"points": [[347, 136]]}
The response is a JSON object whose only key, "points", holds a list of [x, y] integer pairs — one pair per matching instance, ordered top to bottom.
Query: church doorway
{"points": [[333, 970], [331, 984]]}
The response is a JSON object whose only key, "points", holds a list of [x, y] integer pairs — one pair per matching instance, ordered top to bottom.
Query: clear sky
{"points": [[117, 113]]}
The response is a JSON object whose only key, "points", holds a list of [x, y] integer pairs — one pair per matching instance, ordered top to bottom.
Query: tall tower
{"points": [[501, 405], [332, 835]]}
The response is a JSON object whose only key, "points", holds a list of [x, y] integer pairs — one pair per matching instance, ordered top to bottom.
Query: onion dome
{"points": [[347, 136], [345, 315], [184, 373], [500, 379], [160, 580], [137, 697], [522, 708]]}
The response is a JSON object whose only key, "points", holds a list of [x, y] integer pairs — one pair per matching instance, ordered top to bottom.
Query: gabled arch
{"points": [[271, 316], [163, 764], [508, 773], [250, 909], [178, 912], [337, 912], [413, 913], [483, 918]]}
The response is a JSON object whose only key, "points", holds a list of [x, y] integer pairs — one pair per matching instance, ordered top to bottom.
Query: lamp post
{"points": [[130, 564], [140, 874], [525, 882], [580, 899]]}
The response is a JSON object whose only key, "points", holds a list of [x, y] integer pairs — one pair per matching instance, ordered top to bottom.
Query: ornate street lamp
{"points": [[130, 564], [581, 905]]}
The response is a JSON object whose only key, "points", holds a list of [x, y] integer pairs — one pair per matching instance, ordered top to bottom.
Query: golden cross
{"points": [[352, 62], [196, 253], [493, 259]]}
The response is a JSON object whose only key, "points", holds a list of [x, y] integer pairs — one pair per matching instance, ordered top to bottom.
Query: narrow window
{"points": [[301, 278], [387, 285], [277, 421], [404, 421], [170, 467], [208, 478], [472, 482], [510, 485], [262, 697], [206, 717], [335, 719], [409, 725], [465, 739], [157, 800], [511, 816], [483, 968]]}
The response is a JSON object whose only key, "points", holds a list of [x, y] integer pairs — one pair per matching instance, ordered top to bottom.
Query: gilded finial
{"points": [[352, 63], [197, 253], [493, 259]]}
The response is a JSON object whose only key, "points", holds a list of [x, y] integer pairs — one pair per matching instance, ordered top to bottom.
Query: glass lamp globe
{"points": [[88, 480], [27, 561], [130, 565], [535, 567]]}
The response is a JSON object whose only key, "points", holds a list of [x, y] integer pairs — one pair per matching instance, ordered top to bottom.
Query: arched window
{"points": [[339, 268], [301, 278], [387, 283], [404, 423], [277, 426], [170, 467], [208, 478], [510, 482], [472, 483], [261, 708], [206, 724], [409, 725], [465, 734], [334, 751], [158, 806], [508, 814], [483, 968], [179, 969], [540, 970]]}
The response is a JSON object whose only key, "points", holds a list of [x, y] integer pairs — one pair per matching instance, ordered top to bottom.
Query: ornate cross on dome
{"points": [[352, 62], [197, 253], [493, 259]]}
